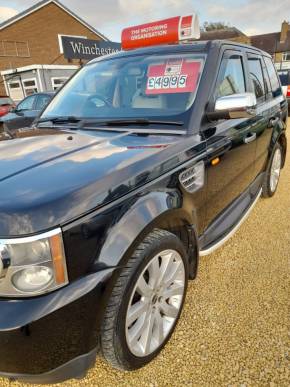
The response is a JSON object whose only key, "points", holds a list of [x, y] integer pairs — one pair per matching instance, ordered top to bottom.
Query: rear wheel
{"points": [[273, 172], [146, 302]]}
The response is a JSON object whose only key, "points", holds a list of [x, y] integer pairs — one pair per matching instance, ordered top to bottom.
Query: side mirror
{"points": [[234, 106], [19, 112]]}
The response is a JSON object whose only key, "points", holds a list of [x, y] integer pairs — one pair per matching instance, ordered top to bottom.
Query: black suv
{"points": [[144, 161]]}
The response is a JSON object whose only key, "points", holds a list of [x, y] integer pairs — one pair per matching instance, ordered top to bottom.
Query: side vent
{"points": [[192, 179]]}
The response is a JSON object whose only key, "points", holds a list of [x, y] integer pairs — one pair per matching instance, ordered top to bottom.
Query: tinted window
{"points": [[256, 77], [232, 81], [274, 81], [133, 86], [42, 101], [27, 103]]}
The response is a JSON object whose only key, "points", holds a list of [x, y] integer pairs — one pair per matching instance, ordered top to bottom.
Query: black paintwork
{"points": [[18, 118], [109, 188]]}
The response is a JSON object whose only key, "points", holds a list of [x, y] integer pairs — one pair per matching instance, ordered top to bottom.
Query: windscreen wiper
{"points": [[59, 120], [126, 122]]}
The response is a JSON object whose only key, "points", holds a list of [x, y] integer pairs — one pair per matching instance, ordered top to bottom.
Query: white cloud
{"points": [[145, 7], [6, 13], [111, 16], [253, 16]]}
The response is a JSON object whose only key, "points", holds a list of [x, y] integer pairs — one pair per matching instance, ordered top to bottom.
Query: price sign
{"points": [[175, 76]]}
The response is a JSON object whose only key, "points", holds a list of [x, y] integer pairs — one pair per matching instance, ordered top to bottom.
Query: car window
{"points": [[256, 77], [231, 79], [284, 79], [274, 80], [134, 86], [5, 101], [42, 101], [27, 103]]}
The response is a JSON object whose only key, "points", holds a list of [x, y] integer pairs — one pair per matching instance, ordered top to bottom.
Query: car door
{"points": [[273, 109], [266, 110], [23, 114], [231, 143]]}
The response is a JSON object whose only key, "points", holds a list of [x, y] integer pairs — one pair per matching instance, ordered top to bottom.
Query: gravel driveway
{"points": [[233, 330]]}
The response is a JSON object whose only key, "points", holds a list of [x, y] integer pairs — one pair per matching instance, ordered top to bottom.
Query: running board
{"points": [[218, 244]]}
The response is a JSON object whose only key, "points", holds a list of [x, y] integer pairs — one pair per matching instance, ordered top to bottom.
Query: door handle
{"points": [[273, 122], [251, 137]]}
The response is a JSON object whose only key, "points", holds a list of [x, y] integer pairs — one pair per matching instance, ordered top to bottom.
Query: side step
{"points": [[210, 249]]}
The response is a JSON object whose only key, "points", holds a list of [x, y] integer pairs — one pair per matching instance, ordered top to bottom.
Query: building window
{"points": [[14, 48], [286, 56], [58, 82], [30, 86], [15, 90]]}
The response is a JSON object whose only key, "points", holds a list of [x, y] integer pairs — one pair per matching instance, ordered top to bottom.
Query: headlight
{"points": [[33, 265]]}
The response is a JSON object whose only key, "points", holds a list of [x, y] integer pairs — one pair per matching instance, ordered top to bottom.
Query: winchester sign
{"points": [[78, 48]]}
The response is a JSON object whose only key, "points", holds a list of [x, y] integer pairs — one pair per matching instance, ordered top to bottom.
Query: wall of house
{"points": [[40, 29], [48, 75], [44, 79]]}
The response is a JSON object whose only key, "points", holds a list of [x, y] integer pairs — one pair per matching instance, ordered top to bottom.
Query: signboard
{"points": [[165, 31], [79, 48], [176, 76]]}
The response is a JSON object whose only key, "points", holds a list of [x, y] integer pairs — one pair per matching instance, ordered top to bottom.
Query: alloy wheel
{"points": [[275, 169], [155, 303]]}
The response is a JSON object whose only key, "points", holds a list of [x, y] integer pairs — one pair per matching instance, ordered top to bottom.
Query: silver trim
{"points": [[236, 102], [248, 140], [192, 179], [29, 239], [210, 250]]}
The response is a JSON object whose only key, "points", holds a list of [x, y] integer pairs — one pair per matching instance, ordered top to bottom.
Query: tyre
{"points": [[272, 176], [146, 302]]}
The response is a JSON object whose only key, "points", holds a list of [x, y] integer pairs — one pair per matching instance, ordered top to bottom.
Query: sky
{"points": [[110, 16]]}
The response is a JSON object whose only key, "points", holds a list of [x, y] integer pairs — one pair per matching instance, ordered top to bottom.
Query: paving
{"points": [[234, 330]]}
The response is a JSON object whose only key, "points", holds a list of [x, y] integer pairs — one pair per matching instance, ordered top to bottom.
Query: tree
{"points": [[214, 26]]}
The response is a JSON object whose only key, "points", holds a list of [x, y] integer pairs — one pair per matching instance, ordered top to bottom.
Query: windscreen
{"points": [[133, 86], [5, 101]]}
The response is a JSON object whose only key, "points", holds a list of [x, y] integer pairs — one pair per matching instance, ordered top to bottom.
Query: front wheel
{"points": [[273, 172], [146, 302]]}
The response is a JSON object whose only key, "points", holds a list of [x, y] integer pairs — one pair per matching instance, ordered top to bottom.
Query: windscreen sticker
{"points": [[175, 76]]}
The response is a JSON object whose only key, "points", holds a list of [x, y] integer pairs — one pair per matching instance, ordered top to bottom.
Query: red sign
{"points": [[162, 32], [176, 76]]}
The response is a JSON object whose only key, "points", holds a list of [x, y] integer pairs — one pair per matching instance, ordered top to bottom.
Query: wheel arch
{"points": [[279, 136], [282, 139], [159, 209]]}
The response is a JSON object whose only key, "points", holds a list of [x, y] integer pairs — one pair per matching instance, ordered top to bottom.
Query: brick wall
{"points": [[40, 29]]}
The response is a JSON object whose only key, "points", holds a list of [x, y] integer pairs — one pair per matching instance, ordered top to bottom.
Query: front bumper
{"points": [[52, 338]]}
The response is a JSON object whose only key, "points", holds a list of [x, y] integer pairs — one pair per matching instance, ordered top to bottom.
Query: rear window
{"points": [[5, 101]]}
